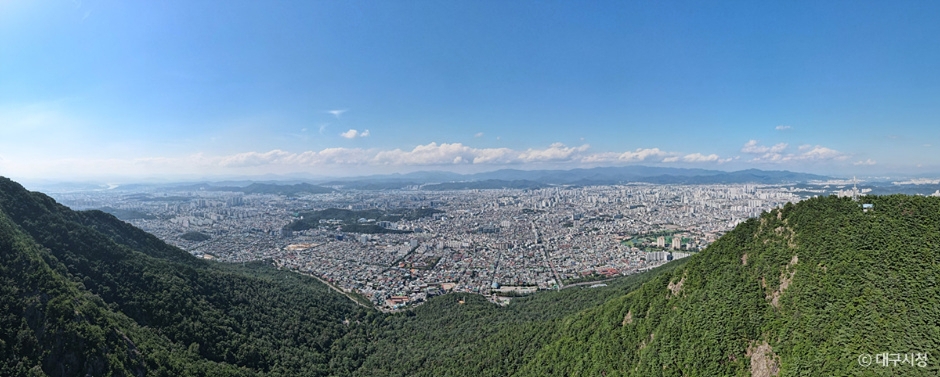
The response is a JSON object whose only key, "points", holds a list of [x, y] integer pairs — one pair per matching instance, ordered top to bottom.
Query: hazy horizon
{"points": [[96, 90]]}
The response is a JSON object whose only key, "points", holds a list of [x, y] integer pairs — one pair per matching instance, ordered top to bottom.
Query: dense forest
{"points": [[127, 214], [350, 219], [195, 236], [802, 290], [87, 294]]}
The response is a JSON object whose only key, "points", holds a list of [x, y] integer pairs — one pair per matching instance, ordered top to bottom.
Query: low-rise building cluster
{"points": [[501, 242]]}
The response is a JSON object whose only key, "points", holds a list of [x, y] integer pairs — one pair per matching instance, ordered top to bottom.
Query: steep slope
{"points": [[805, 290], [252, 316], [47, 321], [50, 325], [465, 335]]}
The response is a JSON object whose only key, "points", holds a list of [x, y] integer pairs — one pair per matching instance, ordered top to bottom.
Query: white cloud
{"points": [[337, 113], [783, 127], [352, 134], [479, 134], [753, 147], [555, 152], [805, 152], [455, 153], [458, 153], [821, 153], [429, 154], [641, 154], [646, 155], [328, 156], [335, 156], [495, 156], [698, 157], [253, 158], [344, 161], [868, 162]]}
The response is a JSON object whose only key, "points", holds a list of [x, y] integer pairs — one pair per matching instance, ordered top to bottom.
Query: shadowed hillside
{"points": [[252, 317]]}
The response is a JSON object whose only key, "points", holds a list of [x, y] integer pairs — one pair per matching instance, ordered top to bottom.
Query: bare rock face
{"points": [[786, 277], [676, 287], [628, 319], [764, 362]]}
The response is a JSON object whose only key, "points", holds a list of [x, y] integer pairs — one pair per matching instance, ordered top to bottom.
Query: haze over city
{"points": [[175, 90]]}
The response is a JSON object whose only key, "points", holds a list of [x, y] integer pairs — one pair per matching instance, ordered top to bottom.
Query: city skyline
{"points": [[102, 90], [392, 246]]}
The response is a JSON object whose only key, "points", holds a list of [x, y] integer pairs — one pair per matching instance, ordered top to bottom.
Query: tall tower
{"points": [[854, 189]]}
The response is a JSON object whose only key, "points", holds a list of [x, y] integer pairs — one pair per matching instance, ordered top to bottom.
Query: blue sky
{"points": [[134, 90]]}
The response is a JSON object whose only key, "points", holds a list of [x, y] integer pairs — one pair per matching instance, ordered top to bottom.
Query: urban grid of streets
{"points": [[485, 241]]}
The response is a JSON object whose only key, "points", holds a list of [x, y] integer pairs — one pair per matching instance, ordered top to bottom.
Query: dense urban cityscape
{"points": [[500, 243]]}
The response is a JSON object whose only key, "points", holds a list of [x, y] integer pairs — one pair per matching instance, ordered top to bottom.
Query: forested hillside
{"points": [[84, 284], [802, 290], [51, 325], [465, 335]]}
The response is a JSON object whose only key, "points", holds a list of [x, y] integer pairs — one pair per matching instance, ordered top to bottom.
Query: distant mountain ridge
{"points": [[646, 174], [514, 178], [498, 179], [485, 185], [263, 188]]}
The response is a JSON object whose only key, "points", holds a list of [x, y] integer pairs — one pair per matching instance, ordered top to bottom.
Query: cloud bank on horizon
{"points": [[333, 88], [449, 156]]}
